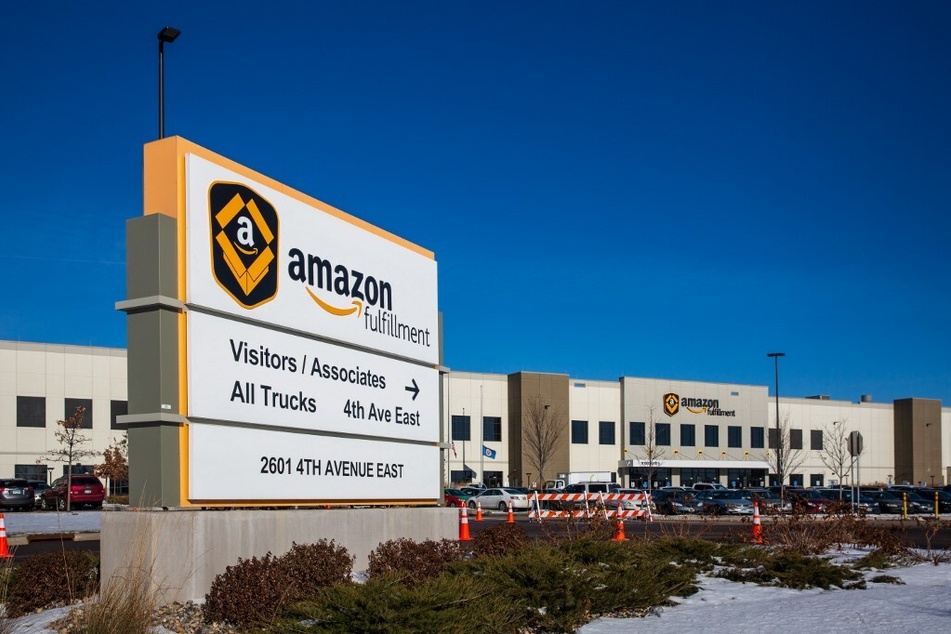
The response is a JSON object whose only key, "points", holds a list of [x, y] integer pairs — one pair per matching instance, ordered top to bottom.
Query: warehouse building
{"points": [[641, 430], [681, 432]]}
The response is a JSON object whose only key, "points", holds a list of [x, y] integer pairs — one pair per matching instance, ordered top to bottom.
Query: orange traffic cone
{"points": [[478, 511], [511, 519], [464, 526], [757, 527], [619, 528], [4, 552]]}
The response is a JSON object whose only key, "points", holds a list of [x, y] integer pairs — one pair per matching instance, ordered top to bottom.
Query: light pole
{"points": [[168, 34], [779, 438]]}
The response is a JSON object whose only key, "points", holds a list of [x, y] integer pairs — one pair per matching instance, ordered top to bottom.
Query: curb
{"points": [[25, 540]]}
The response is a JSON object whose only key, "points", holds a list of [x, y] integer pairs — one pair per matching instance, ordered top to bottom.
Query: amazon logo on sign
{"points": [[244, 230], [350, 290]]}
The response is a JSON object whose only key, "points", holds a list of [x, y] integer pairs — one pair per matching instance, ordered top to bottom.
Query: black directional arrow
{"points": [[413, 388]]}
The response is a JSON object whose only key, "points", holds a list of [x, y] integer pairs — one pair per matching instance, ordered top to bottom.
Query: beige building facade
{"points": [[41, 384], [639, 430]]}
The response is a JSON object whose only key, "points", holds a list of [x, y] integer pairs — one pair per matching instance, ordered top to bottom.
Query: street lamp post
{"points": [[168, 34], [779, 438]]}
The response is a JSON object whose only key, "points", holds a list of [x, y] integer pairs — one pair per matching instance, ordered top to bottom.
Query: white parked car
{"points": [[499, 499], [635, 505]]}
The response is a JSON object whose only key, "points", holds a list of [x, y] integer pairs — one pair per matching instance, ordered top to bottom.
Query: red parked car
{"points": [[85, 490], [453, 497]]}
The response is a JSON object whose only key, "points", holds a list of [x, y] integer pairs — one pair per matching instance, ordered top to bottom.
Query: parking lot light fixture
{"points": [[167, 34], [779, 440]]}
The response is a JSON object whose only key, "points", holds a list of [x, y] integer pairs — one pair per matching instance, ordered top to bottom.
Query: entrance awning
{"points": [[695, 464]]}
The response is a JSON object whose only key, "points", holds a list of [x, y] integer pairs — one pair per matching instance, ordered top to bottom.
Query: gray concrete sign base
{"points": [[184, 550]]}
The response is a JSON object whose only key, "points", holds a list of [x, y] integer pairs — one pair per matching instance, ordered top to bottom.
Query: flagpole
{"points": [[481, 439]]}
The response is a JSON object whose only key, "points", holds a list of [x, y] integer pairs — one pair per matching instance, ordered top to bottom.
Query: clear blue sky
{"points": [[659, 189]]}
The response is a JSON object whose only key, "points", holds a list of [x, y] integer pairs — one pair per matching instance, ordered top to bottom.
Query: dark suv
{"points": [[86, 490], [16, 493]]}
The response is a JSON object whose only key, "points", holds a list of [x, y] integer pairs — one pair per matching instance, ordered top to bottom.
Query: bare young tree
{"points": [[542, 432], [70, 449], [835, 451], [652, 455], [785, 460]]}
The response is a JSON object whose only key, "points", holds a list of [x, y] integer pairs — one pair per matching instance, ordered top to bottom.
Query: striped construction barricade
{"points": [[570, 505]]}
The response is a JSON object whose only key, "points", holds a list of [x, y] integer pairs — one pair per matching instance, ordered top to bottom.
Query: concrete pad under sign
{"points": [[186, 549]]}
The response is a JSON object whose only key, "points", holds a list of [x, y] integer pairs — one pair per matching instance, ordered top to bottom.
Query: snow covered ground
{"points": [[922, 604]]}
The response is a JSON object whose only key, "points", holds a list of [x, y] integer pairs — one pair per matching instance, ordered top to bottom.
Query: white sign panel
{"points": [[277, 258], [249, 374], [235, 463]]}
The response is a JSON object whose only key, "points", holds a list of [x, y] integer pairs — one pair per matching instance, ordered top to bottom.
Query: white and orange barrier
{"points": [[593, 504]]}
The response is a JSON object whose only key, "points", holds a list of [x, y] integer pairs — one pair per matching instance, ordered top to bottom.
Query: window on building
{"points": [[86, 403], [117, 409], [31, 411], [460, 427], [492, 428], [579, 432], [606, 432], [662, 433], [637, 435], [688, 435], [711, 435], [734, 436], [772, 438], [795, 439], [757, 440], [815, 440], [80, 469], [30, 472], [460, 477], [689, 477], [492, 478], [796, 480], [816, 480], [118, 487]]}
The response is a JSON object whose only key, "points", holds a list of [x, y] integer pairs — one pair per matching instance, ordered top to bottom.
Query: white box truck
{"points": [[574, 477]]}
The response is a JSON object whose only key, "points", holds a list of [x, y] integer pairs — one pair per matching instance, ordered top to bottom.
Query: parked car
{"points": [[707, 486], [38, 487], [590, 488], [84, 490], [470, 492], [16, 493], [453, 497], [843, 497], [928, 497], [500, 498], [809, 501], [676, 502], [726, 502], [769, 502], [891, 502], [917, 503], [643, 504]]}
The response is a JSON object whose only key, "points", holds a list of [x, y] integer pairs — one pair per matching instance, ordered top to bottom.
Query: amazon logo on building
{"points": [[244, 231], [673, 402]]}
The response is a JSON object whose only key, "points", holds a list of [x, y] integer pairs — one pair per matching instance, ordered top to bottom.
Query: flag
{"points": [[488, 453], [454, 455]]}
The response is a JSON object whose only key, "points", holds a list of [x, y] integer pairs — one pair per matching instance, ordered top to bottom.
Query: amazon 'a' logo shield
{"points": [[243, 243], [671, 403]]}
